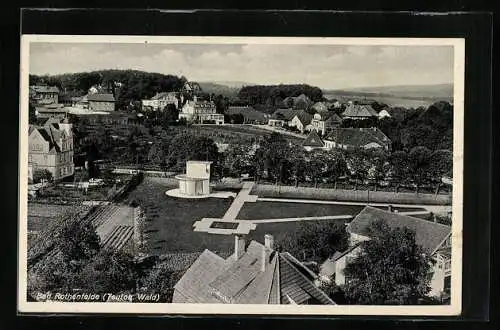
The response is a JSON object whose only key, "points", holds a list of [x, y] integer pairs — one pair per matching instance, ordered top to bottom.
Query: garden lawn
{"points": [[275, 210], [169, 224]]}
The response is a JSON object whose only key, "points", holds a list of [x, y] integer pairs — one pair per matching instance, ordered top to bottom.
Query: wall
{"points": [[266, 190]]}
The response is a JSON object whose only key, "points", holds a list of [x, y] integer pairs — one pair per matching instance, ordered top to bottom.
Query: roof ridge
{"points": [[406, 216], [319, 290]]}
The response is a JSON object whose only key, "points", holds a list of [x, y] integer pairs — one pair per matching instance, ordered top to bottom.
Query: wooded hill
{"points": [[128, 85]]}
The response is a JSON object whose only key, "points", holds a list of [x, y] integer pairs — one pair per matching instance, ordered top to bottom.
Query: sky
{"points": [[324, 66]]}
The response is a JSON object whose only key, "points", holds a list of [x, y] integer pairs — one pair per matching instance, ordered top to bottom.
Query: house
{"points": [[41, 94], [161, 100], [101, 102], [321, 106], [51, 110], [359, 111], [201, 112], [384, 114], [250, 115], [301, 120], [323, 122], [352, 138], [313, 141], [51, 148], [434, 238], [253, 274]]}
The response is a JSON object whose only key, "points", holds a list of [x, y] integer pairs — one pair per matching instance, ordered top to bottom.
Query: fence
{"points": [[265, 190]]}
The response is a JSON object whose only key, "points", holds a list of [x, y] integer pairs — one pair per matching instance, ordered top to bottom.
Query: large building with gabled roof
{"points": [[359, 111], [354, 138], [51, 148], [434, 238], [253, 274]]}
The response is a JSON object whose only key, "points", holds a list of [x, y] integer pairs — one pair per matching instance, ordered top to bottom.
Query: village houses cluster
{"points": [[255, 272]]}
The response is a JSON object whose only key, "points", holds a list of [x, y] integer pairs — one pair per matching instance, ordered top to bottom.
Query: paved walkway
{"points": [[242, 197], [430, 208], [326, 217]]}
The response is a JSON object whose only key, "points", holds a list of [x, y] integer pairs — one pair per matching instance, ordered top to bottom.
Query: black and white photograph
{"points": [[243, 175]]}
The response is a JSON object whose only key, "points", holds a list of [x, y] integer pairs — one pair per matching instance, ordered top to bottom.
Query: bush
{"points": [[42, 174]]}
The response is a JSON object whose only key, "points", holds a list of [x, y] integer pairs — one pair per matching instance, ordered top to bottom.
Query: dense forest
{"points": [[129, 85]]}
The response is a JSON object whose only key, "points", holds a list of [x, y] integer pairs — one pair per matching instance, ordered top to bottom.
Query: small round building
{"points": [[196, 180]]}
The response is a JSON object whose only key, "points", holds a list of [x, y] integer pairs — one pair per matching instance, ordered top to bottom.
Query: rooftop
{"points": [[101, 97], [359, 110], [358, 137], [428, 234], [212, 279]]}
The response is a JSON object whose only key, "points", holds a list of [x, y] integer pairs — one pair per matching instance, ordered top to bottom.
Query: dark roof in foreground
{"points": [[101, 97], [358, 137], [428, 234], [212, 279]]}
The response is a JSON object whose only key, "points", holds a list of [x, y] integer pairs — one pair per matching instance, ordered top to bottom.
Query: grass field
{"points": [[245, 130], [274, 210], [41, 215], [171, 229]]}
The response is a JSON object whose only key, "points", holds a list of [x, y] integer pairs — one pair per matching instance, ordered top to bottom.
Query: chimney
{"points": [[389, 208], [269, 241], [239, 246], [266, 251]]}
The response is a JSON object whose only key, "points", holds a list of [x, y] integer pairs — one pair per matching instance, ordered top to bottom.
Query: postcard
{"points": [[241, 175]]}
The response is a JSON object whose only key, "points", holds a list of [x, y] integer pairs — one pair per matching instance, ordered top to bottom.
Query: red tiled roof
{"points": [[428, 234]]}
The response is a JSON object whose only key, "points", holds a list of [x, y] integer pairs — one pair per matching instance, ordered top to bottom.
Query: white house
{"points": [[161, 100], [201, 112], [384, 114]]}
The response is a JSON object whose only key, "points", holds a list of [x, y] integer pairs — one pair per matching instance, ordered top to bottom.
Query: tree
{"points": [[170, 114], [186, 146], [419, 158], [238, 159], [359, 164], [440, 165], [400, 166], [41, 174], [77, 241], [314, 241], [391, 269], [108, 272], [161, 279]]}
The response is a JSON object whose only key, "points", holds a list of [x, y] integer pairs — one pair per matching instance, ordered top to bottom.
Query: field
{"points": [[240, 131]]}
